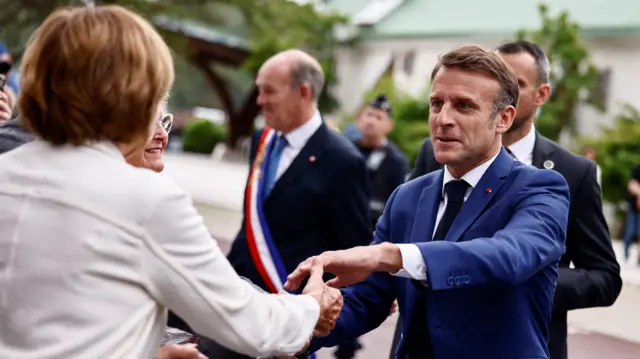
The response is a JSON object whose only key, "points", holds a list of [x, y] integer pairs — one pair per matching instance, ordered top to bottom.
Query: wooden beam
{"points": [[227, 55], [217, 83], [240, 120], [243, 123]]}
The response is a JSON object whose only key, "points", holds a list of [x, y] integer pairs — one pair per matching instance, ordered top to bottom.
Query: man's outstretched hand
{"points": [[351, 265], [329, 299]]}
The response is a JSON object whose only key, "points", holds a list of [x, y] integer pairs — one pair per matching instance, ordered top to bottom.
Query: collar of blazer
{"points": [[542, 151]]}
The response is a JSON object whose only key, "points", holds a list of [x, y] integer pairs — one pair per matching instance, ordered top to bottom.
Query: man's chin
{"points": [[269, 120], [445, 157]]}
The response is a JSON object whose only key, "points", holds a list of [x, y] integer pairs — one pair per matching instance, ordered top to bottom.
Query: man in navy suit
{"points": [[308, 191], [470, 251], [588, 273]]}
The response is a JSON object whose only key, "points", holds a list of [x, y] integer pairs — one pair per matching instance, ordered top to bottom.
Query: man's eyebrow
{"points": [[459, 98], [465, 98]]}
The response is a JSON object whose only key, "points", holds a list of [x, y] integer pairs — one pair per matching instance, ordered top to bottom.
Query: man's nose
{"points": [[260, 100], [446, 116]]}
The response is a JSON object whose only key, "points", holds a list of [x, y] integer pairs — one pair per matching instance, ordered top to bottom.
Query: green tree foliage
{"points": [[20, 18], [270, 25], [278, 25], [573, 76], [202, 136], [618, 151]]}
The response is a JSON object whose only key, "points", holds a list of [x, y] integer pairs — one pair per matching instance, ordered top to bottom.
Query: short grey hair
{"points": [[307, 72]]}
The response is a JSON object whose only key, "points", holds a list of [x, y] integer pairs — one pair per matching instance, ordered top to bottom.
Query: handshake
{"points": [[350, 266], [329, 299]]}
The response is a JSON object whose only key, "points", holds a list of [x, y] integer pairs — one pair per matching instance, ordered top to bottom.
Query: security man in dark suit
{"points": [[388, 166], [595, 279]]}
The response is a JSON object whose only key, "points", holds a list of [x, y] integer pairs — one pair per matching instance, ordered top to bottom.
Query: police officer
{"points": [[388, 166]]}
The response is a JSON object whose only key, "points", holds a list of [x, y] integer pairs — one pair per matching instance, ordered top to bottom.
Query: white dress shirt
{"points": [[296, 140], [522, 149], [93, 251], [413, 266]]}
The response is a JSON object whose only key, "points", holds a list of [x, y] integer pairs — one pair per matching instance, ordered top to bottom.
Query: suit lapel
{"points": [[312, 149], [542, 151], [481, 195], [425, 219], [422, 231]]}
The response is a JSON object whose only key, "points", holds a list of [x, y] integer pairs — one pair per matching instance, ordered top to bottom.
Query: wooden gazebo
{"points": [[206, 47]]}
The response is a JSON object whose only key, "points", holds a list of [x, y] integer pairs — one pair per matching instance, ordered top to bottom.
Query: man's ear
{"points": [[305, 91], [542, 94], [505, 119], [390, 124]]}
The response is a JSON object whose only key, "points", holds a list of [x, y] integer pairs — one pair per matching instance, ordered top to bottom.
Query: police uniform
{"points": [[388, 167]]}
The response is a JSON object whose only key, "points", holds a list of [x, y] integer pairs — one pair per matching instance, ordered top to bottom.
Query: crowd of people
{"points": [[493, 237]]}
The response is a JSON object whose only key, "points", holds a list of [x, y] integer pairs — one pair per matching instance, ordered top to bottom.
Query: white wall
{"points": [[621, 54], [357, 71]]}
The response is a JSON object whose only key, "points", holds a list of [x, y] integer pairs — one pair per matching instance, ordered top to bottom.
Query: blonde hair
{"points": [[94, 73]]}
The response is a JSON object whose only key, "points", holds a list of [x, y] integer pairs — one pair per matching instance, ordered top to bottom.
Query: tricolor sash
{"points": [[263, 251], [264, 254]]}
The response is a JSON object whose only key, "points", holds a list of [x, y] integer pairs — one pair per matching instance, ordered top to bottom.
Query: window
{"points": [[408, 61], [603, 83]]}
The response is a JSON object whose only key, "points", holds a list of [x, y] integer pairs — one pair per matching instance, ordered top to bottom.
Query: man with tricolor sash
{"points": [[308, 187]]}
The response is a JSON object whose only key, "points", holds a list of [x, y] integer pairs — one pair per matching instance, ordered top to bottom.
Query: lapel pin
{"points": [[312, 159], [548, 164], [488, 190]]}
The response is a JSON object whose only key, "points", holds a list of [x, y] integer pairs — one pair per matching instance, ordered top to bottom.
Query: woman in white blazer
{"points": [[93, 250]]}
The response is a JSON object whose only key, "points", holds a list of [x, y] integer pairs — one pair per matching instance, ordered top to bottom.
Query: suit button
{"points": [[450, 281]]}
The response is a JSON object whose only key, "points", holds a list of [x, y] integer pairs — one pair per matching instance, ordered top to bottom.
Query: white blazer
{"points": [[93, 251]]}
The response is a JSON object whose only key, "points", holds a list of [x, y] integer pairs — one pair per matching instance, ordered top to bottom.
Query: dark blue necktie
{"points": [[272, 164], [455, 191], [419, 340]]}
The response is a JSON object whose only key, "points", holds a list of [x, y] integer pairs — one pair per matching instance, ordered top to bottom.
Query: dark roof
{"points": [[201, 32]]}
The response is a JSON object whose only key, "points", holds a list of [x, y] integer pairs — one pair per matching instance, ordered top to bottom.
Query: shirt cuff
{"points": [[413, 266]]}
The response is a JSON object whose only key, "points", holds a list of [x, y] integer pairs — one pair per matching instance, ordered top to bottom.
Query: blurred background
{"points": [[369, 47]]}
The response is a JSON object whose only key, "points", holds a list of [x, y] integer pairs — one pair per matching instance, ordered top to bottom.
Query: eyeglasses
{"points": [[166, 121]]}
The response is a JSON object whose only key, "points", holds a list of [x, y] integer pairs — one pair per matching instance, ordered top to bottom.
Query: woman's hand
{"points": [[329, 299], [394, 308], [176, 351]]}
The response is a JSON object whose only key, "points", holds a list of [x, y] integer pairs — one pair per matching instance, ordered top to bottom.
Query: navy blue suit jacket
{"points": [[314, 206], [490, 283]]}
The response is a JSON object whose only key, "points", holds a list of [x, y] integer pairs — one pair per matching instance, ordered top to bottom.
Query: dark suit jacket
{"points": [[13, 135], [314, 206], [595, 281], [490, 282]]}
